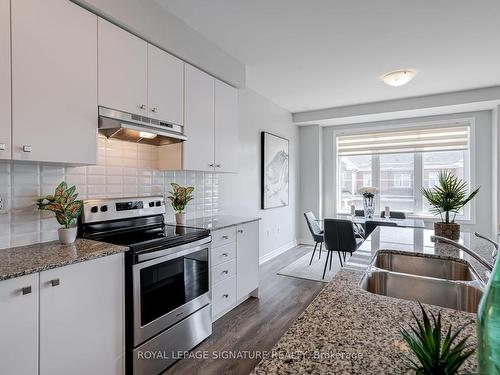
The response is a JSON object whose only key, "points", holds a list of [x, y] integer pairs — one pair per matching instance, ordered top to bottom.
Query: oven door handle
{"points": [[171, 253]]}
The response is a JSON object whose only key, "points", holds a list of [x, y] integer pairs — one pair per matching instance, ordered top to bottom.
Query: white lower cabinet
{"points": [[234, 266], [81, 318], [66, 320], [19, 325]]}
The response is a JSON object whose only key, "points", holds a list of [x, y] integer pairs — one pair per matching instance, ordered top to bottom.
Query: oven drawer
{"points": [[223, 236], [223, 254], [223, 271], [223, 295], [183, 336]]}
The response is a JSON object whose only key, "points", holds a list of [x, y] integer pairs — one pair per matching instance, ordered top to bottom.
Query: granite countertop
{"points": [[218, 221], [23, 260], [347, 330]]}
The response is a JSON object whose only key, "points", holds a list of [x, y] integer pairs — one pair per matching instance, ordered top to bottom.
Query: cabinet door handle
{"points": [[142, 106], [154, 109], [2, 146], [26, 148], [211, 165], [217, 165], [240, 230], [225, 237], [225, 254], [225, 272], [54, 282], [26, 290], [225, 295]]}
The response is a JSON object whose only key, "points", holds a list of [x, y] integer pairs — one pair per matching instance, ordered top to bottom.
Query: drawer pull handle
{"points": [[2, 146], [26, 148], [240, 230], [225, 237], [225, 254], [225, 272], [54, 282], [26, 290], [225, 295]]}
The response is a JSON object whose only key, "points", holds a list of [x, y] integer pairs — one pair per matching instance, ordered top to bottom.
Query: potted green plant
{"points": [[179, 197], [447, 198], [66, 208], [433, 352]]}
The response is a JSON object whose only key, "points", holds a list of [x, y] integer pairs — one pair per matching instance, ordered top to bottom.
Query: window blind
{"points": [[408, 140]]}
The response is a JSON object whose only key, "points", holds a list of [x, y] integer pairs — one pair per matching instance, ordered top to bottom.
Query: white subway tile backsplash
{"points": [[123, 169]]}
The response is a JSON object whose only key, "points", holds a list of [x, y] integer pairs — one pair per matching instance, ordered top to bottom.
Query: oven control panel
{"points": [[96, 210]]}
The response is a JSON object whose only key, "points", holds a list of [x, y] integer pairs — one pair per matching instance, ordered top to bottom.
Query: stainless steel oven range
{"points": [[167, 293]]}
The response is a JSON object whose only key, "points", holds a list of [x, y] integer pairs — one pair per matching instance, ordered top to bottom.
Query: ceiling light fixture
{"points": [[399, 77], [147, 135]]}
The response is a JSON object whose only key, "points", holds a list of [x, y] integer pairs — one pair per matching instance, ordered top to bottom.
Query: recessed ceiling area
{"points": [[305, 55]]}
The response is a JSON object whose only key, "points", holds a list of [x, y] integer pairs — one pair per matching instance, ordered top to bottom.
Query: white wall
{"points": [[151, 22], [483, 166], [239, 194], [310, 197]]}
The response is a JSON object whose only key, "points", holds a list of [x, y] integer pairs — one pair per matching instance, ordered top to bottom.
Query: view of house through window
{"points": [[399, 177]]}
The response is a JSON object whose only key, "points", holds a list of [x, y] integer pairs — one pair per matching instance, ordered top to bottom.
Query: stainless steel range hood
{"points": [[136, 128]]}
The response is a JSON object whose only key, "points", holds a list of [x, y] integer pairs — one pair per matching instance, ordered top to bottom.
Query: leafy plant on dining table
{"points": [[448, 196]]}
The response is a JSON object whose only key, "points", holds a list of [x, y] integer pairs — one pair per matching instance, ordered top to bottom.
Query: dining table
{"points": [[403, 223]]}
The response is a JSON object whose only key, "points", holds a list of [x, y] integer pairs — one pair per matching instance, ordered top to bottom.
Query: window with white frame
{"points": [[399, 164]]}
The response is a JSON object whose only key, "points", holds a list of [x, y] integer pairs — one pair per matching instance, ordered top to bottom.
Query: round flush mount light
{"points": [[399, 77]]}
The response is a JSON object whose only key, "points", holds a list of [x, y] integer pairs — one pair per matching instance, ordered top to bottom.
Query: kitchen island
{"points": [[347, 330]]}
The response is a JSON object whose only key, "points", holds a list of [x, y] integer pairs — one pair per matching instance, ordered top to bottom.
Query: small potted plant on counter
{"points": [[180, 197], [447, 198], [66, 208], [435, 351]]}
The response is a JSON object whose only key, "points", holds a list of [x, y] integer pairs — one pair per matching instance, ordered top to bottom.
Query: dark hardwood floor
{"points": [[256, 324]]}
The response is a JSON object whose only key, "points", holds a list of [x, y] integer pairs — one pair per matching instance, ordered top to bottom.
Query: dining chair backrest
{"points": [[359, 212], [394, 215], [313, 225], [370, 225], [339, 235]]}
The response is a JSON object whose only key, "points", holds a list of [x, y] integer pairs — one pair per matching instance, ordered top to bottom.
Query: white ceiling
{"points": [[310, 54]]}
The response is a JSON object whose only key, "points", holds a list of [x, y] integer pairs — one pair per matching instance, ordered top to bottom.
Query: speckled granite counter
{"points": [[218, 222], [23, 260], [347, 330]]}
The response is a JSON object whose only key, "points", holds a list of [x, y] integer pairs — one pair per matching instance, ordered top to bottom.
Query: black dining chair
{"points": [[360, 213], [394, 215], [370, 225], [316, 232], [339, 236]]}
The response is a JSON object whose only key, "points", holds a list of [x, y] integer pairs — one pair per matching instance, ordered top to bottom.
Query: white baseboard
{"points": [[306, 241], [277, 251]]}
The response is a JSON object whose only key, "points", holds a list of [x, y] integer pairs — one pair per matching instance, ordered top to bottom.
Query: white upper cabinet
{"points": [[123, 67], [54, 82], [165, 86], [5, 119], [199, 120], [226, 128], [81, 318], [19, 325]]}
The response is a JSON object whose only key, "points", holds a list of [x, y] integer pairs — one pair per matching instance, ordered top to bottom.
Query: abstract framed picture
{"points": [[274, 171]]}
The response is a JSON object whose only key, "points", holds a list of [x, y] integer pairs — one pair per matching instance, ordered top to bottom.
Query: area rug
{"points": [[302, 270]]}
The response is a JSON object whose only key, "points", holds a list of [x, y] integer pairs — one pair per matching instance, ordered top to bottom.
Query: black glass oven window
{"points": [[168, 285]]}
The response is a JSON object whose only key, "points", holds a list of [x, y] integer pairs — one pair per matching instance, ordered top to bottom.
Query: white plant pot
{"points": [[180, 218], [67, 235]]}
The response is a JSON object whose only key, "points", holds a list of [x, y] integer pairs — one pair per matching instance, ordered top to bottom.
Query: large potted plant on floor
{"points": [[447, 198], [66, 208]]}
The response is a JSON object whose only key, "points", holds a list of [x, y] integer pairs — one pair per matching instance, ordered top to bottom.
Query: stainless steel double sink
{"points": [[428, 279]]}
